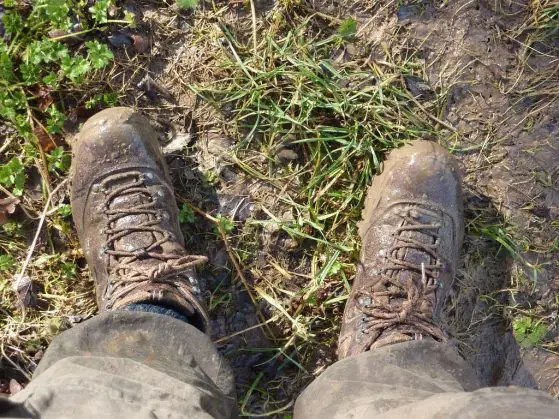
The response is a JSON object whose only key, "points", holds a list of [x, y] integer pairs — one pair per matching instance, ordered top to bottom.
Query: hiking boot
{"points": [[126, 216], [412, 231]]}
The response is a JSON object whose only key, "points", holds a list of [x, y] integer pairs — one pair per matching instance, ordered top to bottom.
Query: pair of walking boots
{"points": [[126, 216]]}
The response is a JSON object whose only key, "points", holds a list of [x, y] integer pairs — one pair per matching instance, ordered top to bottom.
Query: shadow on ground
{"points": [[477, 309]]}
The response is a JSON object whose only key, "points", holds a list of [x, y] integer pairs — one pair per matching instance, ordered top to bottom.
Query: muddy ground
{"points": [[499, 102]]}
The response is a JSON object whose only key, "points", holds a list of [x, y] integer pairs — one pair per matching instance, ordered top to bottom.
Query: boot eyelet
{"points": [[98, 189]]}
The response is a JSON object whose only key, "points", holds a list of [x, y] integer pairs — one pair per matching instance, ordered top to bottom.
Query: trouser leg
{"points": [[131, 364], [419, 379]]}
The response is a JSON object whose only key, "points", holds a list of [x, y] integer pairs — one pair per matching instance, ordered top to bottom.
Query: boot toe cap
{"points": [[112, 140], [423, 171]]}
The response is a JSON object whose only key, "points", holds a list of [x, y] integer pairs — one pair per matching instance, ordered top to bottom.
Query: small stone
{"points": [[119, 40], [419, 88], [178, 143], [286, 155], [365, 301], [38, 355], [15, 387]]}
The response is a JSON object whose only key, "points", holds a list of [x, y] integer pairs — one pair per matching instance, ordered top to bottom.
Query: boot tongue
{"points": [[134, 240], [140, 240], [413, 255]]}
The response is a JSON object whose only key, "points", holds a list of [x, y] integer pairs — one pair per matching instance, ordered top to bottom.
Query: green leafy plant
{"points": [[187, 4], [100, 10], [348, 28], [99, 54], [36, 62], [75, 67], [109, 99], [55, 121], [59, 159], [12, 175], [64, 210], [186, 215], [225, 224], [13, 229], [6, 262], [68, 270], [528, 331]]}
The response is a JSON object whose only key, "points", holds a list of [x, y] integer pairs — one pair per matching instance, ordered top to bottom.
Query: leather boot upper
{"points": [[126, 216], [411, 232]]}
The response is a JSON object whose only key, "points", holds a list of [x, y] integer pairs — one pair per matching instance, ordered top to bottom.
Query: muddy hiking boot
{"points": [[126, 216], [411, 235]]}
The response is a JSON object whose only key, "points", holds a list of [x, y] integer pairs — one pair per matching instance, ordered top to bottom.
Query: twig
{"points": [[253, 14], [322, 15], [372, 19], [71, 34], [237, 58], [433, 117], [6, 144], [43, 165], [11, 195], [234, 260], [19, 277], [248, 329], [16, 366]]}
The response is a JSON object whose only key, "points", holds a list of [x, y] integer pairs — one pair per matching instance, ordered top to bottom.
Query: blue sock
{"points": [[154, 308]]}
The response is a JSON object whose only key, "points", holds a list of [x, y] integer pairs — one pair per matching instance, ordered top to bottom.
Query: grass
{"points": [[51, 62], [313, 109], [338, 117]]}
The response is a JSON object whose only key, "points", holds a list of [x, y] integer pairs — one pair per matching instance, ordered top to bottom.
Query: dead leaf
{"points": [[113, 10], [58, 33], [67, 36], [140, 43], [419, 88], [154, 89], [44, 96], [46, 141], [7, 207], [26, 291], [15, 387]]}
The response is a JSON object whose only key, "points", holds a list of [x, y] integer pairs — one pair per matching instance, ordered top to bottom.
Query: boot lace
{"points": [[126, 275], [378, 313]]}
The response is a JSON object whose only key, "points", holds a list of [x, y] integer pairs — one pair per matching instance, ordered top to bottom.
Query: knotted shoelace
{"points": [[126, 276], [379, 315]]}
